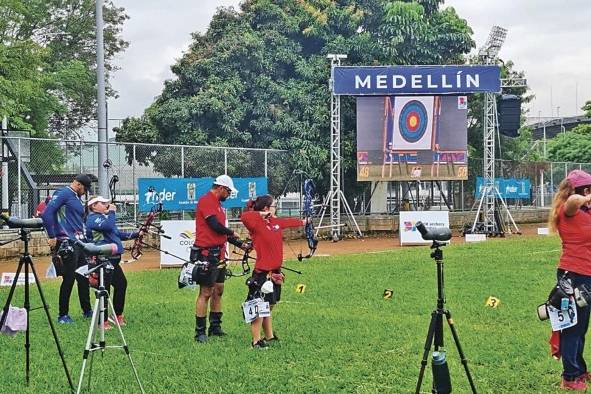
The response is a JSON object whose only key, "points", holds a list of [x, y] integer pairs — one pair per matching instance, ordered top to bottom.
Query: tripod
{"points": [[27, 261], [97, 325], [435, 333]]}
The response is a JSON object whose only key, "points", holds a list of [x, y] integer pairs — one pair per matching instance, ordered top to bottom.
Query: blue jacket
{"points": [[63, 215], [101, 229]]}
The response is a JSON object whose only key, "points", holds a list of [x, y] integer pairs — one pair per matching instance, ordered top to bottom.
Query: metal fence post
{"points": [[80, 154], [182, 161], [225, 161], [19, 163], [266, 163], [551, 177], [134, 189], [462, 194]]}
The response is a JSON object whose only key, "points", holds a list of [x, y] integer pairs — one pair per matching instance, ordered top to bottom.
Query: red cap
{"points": [[578, 178]]}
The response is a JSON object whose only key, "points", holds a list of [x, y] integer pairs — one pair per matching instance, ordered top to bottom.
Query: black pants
{"points": [[76, 260], [118, 280]]}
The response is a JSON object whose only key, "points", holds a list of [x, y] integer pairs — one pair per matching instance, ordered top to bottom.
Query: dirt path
{"points": [[151, 259]]}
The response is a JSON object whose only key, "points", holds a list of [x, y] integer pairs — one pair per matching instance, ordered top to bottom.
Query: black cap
{"points": [[84, 180]]}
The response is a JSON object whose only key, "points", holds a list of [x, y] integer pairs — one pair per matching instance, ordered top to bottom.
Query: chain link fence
{"points": [[36, 167]]}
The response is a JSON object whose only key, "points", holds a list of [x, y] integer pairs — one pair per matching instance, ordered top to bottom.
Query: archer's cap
{"points": [[578, 178], [84, 180], [225, 180], [96, 199]]}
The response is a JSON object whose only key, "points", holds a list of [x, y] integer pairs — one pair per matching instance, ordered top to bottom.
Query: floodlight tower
{"points": [[488, 55]]}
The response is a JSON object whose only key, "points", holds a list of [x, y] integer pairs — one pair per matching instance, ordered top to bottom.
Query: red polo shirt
{"points": [[208, 205], [575, 233], [267, 238]]}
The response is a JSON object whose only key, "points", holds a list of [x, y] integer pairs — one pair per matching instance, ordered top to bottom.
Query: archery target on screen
{"points": [[412, 125], [404, 138]]}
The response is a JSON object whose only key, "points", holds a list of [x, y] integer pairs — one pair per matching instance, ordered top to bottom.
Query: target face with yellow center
{"points": [[413, 121]]}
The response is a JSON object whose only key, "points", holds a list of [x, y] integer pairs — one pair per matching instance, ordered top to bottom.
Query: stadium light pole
{"points": [[101, 101]]}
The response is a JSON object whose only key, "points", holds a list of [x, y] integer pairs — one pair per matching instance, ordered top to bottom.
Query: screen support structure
{"points": [[335, 195], [488, 205]]}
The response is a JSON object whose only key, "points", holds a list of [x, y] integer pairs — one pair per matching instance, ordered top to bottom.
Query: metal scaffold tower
{"points": [[336, 195], [492, 224]]}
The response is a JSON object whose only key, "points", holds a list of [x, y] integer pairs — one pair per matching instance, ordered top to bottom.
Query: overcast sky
{"points": [[548, 39]]}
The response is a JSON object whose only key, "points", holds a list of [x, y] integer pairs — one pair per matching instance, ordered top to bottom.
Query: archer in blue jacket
{"points": [[63, 219], [101, 229]]}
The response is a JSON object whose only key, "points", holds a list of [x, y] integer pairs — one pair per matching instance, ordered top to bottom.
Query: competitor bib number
{"points": [[254, 309], [561, 319]]}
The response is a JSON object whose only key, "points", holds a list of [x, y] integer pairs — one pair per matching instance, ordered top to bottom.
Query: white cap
{"points": [[225, 180], [96, 199]]}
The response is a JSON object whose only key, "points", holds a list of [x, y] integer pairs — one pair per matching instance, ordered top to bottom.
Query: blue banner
{"points": [[409, 80], [507, 187], [181, 194]]}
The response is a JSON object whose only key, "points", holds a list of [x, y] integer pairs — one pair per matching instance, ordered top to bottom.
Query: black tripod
{"points": [[27, 261], [435, 333]]}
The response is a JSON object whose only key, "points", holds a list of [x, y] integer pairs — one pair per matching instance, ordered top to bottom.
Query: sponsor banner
{"points": [[408, 80], [507, 187], [181, 194], [182, 234], [409, 235], [8, 278]]}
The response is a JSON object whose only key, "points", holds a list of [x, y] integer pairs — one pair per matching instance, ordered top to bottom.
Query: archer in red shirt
{"points": [[571, 217], [266, 232], [211, 235]]}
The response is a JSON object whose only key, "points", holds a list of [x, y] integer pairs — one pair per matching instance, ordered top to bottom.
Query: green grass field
{"points": [[340, 335]]}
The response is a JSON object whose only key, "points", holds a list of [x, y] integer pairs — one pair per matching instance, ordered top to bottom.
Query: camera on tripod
{"points": [[560, 296]]}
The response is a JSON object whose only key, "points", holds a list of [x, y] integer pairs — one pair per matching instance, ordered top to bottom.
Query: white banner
{"points": [[182, 234], [409, 234], [8, 278]]}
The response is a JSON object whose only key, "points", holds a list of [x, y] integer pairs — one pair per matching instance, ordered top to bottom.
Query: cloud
{"points": [[159, 32], [547, 39]]}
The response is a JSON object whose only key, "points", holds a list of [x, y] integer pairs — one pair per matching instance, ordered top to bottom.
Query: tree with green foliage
{"points": [[48, 62], [258, 77], [573, 146]]}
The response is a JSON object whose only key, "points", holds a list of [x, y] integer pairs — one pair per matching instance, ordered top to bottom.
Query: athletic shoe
{"points": [[87, 314], [119, 318], [65, 319], [107, 325], [216, 331], [201, 338], [275, 338], [261, 344], [586, 377], [574, 385]]}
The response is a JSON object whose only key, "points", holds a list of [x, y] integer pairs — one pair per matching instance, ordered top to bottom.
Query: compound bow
{"points": [[308, 213], [146, 227], [244, 262]]}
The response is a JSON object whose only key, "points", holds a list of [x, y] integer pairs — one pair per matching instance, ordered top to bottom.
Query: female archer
{"points": [[266, 232]]}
